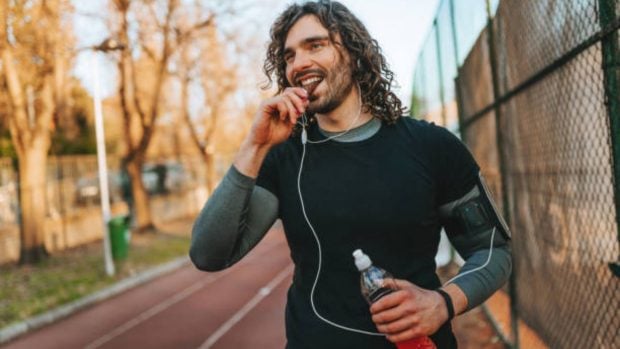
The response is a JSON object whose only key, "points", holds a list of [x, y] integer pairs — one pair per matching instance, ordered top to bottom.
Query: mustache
{"points": [[301, 74]]}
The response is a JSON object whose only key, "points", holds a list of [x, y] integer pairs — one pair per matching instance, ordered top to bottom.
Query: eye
{"points": [[316, 45], [288, 58]]}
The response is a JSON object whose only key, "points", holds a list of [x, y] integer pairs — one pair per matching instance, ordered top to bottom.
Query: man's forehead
{"points": [[305, 27]]}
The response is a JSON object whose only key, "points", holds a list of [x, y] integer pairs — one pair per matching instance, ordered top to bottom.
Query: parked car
{"points": [[164, 178], [157, 179], [87, 189]]}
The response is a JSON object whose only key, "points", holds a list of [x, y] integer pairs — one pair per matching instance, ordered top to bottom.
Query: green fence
{"points": [[539, 107]]}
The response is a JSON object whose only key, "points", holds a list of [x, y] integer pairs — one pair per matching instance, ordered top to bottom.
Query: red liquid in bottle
{"points": [[375, 283], [414, 343], [417, 343]]}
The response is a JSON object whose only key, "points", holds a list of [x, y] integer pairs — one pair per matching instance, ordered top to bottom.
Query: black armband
{"points": [[473, 214], [446, 297]]}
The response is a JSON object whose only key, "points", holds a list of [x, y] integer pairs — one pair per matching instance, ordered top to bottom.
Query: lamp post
{"points": [[106, 45]]}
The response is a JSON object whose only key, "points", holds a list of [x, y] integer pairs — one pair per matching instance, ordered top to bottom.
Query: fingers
{"points": [[298, 91], [297, 100], [290, 104], [279, 110], [293, 112], [403, 284], [387, 302], [407, 313], [388, 315], [399, 323], [398, 326], [405, 335]]}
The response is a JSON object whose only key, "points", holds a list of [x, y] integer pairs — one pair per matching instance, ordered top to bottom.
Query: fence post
{"points": [[455, 41], [611, 71], [457, 80], [442, 98], [514, 318]]}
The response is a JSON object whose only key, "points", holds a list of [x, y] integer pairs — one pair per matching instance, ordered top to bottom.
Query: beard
{"points": [[338, 84]]}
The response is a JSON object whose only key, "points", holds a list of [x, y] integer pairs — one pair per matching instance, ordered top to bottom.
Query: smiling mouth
{"points": [[310, 83]]}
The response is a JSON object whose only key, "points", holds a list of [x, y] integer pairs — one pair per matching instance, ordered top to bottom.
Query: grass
{"points": [[29, 290]]}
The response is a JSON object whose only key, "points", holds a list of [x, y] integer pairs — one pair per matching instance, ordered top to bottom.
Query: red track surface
{"points": [[239, 308], [187, 309]]}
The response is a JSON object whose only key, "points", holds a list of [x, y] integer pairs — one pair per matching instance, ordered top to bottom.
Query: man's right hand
{"points": [[276, 117], [273, 123]]}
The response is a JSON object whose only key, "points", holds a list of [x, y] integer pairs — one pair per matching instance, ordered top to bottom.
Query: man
{"points": [[331, 156]]}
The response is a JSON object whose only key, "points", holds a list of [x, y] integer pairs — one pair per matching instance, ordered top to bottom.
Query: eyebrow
{"points": [[307, 41]]}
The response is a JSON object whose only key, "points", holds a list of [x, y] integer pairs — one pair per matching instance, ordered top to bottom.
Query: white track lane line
{"points": [[158, 308], [241, 313]]}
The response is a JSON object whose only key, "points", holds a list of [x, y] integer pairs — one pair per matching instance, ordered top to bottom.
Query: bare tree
{"points": [[34, 40], [143, 69], [218, 80]]}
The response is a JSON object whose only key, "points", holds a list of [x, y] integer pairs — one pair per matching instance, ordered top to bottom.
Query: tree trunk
{"points": [[41, 57], [211, 173], [32, 194], [142, 207]]}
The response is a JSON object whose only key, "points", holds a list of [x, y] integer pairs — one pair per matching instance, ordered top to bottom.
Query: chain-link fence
{"points": [[433, 87], [538, 97], [177, 189]]}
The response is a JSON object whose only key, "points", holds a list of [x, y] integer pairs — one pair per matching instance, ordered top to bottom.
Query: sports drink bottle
{"points": [[376, 283]]}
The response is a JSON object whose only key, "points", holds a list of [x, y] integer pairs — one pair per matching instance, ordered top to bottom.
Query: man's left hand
{"points": [[409, 312]]}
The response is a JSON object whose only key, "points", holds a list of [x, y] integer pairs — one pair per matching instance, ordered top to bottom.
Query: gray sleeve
{"points": [[235, 218], [487, 255], [482, 283]]}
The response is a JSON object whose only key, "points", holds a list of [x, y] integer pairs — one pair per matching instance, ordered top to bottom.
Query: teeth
{"points": [[310, 81]]}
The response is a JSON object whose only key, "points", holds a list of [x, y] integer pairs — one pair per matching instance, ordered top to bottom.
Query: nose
{"points": [[301, 62]]}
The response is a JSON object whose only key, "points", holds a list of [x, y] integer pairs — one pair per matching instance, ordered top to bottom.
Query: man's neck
{"points": [[345, 116]]}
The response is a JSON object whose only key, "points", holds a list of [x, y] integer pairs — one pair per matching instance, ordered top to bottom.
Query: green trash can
{"points": [[119, 236]]}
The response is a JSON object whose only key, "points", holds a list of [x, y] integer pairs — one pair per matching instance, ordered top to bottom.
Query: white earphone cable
{"points": [[304, 134], [304, 140], [320, 254], [480, 267]]}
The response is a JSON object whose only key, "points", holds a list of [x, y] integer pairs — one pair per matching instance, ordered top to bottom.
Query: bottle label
{"points": [[378, 294]]}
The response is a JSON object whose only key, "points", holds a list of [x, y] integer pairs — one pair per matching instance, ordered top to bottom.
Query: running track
{"points": [[241, 307], [238, 308]]}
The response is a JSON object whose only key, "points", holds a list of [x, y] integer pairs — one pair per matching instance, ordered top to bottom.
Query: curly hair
{"points": [[369, 67]]}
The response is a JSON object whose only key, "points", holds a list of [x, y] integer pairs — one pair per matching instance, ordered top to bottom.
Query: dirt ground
{"points": [[472, 329]]}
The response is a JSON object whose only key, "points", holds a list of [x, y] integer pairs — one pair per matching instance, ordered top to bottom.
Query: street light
{"points": [[106, 45]]}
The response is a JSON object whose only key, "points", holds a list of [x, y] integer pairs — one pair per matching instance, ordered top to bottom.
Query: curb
{"points": [[13, 331]]}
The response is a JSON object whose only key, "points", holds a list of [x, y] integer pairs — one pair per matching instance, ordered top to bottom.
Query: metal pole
{"points": [[455, 41], [611, 69], [457, 81], [442, 98], [103, 169], [514, 314]]}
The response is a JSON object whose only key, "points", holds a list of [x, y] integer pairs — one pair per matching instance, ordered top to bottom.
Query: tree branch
{"points": [[19, 118]]}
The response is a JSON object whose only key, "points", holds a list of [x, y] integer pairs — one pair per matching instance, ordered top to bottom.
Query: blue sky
{"points": [[400, 27]]}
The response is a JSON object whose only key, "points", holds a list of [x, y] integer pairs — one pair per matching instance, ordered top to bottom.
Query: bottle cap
{"points": [[362, 261]]}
